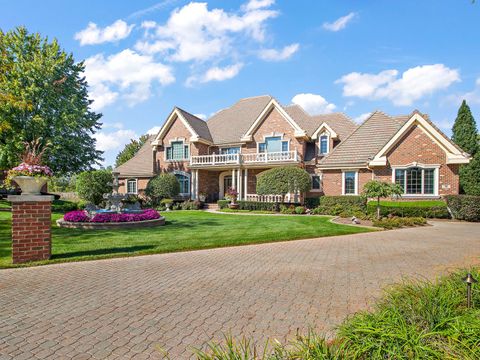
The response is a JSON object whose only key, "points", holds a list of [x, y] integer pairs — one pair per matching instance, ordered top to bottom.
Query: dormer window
{"points": [[323, 146], [177, 151]]}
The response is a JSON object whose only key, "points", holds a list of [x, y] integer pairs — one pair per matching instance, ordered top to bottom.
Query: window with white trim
{"points": [[273, 144], [323, 145], [230, 150], [177, 151], [416, 180], [184, 182], [316, 182], [350, 182], [132, 186]]}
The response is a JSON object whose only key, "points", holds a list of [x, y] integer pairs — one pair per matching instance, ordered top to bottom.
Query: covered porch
{"points": [[212, 184]]}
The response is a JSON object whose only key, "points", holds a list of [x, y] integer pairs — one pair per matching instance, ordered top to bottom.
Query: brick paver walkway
{"points": [[130, 308]]}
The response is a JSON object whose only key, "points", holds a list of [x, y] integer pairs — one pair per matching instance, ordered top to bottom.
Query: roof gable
{"points": [[273, 104], [454, 154], [139, 165]]}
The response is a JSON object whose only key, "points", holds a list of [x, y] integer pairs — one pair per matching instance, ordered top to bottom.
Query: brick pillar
{"points": [[31, 227]]}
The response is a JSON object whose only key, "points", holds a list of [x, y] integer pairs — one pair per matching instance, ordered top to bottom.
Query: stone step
{"points": [[213, 206]]}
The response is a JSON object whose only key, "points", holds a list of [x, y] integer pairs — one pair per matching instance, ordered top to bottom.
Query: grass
{"points": [[419, 203], [4, 204], [247, 211], [184, 230], [414, 320]]}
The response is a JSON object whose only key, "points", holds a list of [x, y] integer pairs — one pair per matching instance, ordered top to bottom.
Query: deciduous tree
{"points": [[283, 180]]}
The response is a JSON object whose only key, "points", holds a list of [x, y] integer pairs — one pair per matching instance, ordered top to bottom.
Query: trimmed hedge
{"points": [[346, 201], [312, 203], [222, 204], [255, 205], [464, 207], [439, 212]]}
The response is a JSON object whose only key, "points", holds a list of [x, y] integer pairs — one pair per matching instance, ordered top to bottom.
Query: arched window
{"points": [[324, 140], [184, 181], [132, 186]]}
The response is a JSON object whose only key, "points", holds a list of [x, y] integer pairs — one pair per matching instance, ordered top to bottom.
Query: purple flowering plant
{"points": [[31, 163], [107, 217]]}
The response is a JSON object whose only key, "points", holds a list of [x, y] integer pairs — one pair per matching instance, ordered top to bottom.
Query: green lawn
{"points": [[419, 203], [4, 204], [184, 230]]}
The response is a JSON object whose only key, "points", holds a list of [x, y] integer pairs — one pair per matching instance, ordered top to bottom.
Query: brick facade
{"points": [[31, 228]]}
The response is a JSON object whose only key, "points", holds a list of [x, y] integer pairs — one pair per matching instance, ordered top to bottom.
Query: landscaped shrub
{"points": [[91, 185], [162, 186], [312, 203], [222, 204], [191, 205], [64, 206], [256, 206], [343, 206], [464, 207], [287, 209], [300, 210], [437, 211], [107, 217], [398, 222]]}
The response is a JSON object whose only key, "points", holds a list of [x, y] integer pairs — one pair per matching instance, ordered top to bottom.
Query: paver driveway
{"points": [[129, 308]]}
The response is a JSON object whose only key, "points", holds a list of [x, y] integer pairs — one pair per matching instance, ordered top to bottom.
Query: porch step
{"points": [[210, 206]]}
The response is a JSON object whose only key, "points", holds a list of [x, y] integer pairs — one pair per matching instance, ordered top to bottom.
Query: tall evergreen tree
{"points": [[43, 95], [464, 131], [130, 150]]}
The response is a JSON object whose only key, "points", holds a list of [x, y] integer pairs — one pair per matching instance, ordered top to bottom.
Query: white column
{"points": [[234, 179], [239, 183], [196, 184], [192, 185], [245, 189]]}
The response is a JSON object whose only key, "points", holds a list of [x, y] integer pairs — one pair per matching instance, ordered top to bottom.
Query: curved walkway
{"points": [[133, 307]]}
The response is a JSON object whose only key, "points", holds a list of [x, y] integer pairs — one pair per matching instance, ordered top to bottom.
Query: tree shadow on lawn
{"points": [[106, 251]]}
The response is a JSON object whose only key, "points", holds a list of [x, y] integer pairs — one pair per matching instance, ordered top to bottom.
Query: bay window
{"points": [[177, 151], [416, 180]]}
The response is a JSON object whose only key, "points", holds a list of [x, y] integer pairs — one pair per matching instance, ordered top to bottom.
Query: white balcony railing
{"points": [[255, 158], [220, 159], [264, 198]]}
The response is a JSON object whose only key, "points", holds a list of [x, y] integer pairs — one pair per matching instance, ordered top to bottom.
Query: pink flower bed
{"points": [[82, 216]]}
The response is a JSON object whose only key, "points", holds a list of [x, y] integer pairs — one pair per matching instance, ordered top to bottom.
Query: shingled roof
{"points": [[197, 124], [229, 125], [365, 142], [141, 164]]}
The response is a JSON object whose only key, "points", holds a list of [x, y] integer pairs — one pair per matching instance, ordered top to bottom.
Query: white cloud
{"points": [[257, 4], [340, 23], [195, 33], [92, 34], [279, 55], [216, 74], [125, 75], [414, 83], [313, 104], [201, 116], [362, 117], [154, 130], [115, 140]]}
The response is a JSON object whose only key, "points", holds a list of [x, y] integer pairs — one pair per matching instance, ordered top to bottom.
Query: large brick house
{"points": [[258, 133]]}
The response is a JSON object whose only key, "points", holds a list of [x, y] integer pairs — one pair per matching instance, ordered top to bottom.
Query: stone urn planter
{"points": [[30, 185], [233, 206]]}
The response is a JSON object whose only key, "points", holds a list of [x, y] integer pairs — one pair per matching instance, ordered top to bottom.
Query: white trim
{"points": [[273, 104], [176, 114], [324, 127], [274, 134], [185, 143], [320, 144], [454, 155], [436, 178], [320, 179], [356, 181], [136, 185]]}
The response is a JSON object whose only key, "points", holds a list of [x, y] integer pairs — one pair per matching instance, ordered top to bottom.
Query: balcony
{"points": [[245, 159]]}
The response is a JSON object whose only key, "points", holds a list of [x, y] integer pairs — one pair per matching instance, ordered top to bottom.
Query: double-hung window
{"points": [[323, 147], [178, 151], [416, 180], [184, 182], [316, 182], [350, 182], [132, 186]]}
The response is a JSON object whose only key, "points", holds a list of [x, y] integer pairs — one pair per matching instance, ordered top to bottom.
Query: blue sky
{"points": [[144, 57]]}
